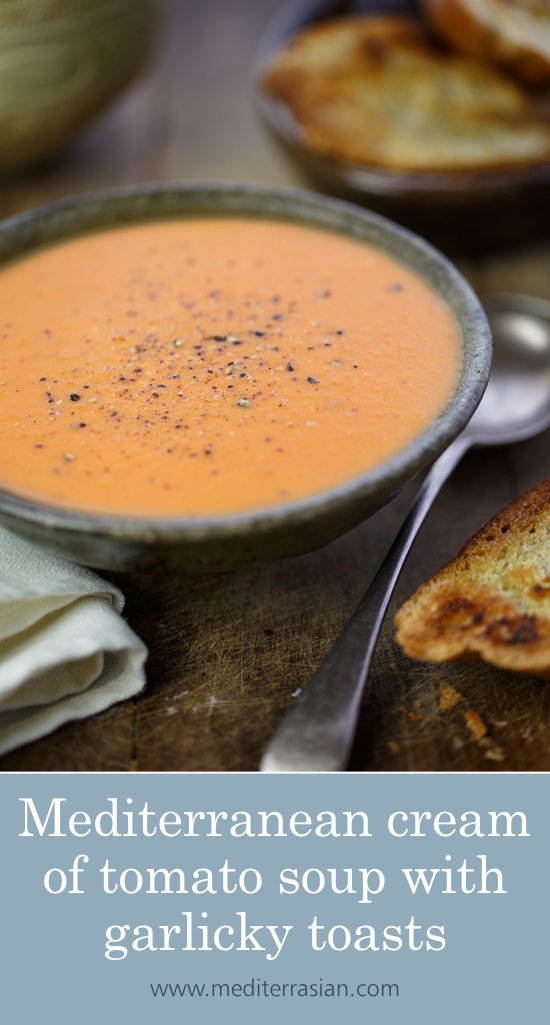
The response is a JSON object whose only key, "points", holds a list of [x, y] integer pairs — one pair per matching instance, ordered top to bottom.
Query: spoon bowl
{"points": [[516, 403]]}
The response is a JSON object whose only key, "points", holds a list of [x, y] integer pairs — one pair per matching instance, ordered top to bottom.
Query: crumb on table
{"points": [[449, 697], [475, 724]]}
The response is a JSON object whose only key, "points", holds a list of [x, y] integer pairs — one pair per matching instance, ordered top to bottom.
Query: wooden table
{"points": [[229, 654]]}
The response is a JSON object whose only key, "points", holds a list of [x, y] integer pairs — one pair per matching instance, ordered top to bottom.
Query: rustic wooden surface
{"points": [[229, 654]]}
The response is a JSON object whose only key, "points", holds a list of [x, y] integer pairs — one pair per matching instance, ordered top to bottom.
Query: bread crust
{"points": [[507, 32], [377, 91], [492, 602]]}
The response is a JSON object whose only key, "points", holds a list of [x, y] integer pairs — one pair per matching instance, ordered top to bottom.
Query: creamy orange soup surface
{"points": [[212, 366]]}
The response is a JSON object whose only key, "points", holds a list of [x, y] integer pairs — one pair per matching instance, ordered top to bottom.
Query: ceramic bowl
{"points": [[61, 62], [225, 542]]}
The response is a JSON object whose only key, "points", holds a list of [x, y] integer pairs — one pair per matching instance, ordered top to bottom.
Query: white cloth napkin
{"points": [[65, 651]]}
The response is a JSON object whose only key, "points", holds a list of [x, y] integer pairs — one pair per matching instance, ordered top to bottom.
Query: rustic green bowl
{"points": [[61, 62], [213, 544]]}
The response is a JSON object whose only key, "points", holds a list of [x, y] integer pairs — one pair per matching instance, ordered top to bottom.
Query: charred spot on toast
{"points": [[459, 613], [518, 629]]}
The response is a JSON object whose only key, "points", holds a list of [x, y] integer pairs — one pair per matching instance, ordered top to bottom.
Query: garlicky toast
{"points": [[513, 33], [379, 91], [492, 602]]}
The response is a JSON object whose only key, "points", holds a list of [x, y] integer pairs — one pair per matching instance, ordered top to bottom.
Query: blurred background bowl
{"points": [[61, 62], [463, 211]]}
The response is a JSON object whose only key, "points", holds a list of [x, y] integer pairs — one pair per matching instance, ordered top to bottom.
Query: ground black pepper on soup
{"points": [[212, 365]]}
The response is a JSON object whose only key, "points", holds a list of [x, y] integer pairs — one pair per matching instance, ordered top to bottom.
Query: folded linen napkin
{"points": [[65, 651]]}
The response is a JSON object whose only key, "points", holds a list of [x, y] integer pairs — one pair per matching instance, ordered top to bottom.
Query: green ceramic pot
{"points": [[61, 62], [199, 544]]}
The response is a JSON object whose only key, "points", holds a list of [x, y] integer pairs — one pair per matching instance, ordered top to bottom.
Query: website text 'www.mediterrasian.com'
{"points": [[263, 988]]}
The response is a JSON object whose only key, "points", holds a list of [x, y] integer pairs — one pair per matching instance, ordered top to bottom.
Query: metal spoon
{"points": [[317, 734]]}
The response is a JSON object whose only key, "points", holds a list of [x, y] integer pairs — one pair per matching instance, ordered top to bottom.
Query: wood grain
{"points": [[228, 654]]}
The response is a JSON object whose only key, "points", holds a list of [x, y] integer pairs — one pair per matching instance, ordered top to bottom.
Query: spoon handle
{"points": [[317, 734]]}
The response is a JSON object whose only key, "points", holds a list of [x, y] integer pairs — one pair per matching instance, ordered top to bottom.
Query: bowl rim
{"points": [[152, 201]]}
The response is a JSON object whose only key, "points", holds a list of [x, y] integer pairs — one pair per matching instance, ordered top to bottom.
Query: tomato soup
{"points": [[208, 366]]}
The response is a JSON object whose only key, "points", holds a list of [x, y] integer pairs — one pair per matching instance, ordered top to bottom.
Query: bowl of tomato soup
{"points": [[202, 377]]}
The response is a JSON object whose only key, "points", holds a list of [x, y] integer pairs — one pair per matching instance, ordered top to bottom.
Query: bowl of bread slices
{"points": [[436, 113]]}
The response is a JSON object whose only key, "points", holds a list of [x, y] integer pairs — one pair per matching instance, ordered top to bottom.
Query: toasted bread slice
{"points": [[513, 33], [378, 91], [493, 601]]}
